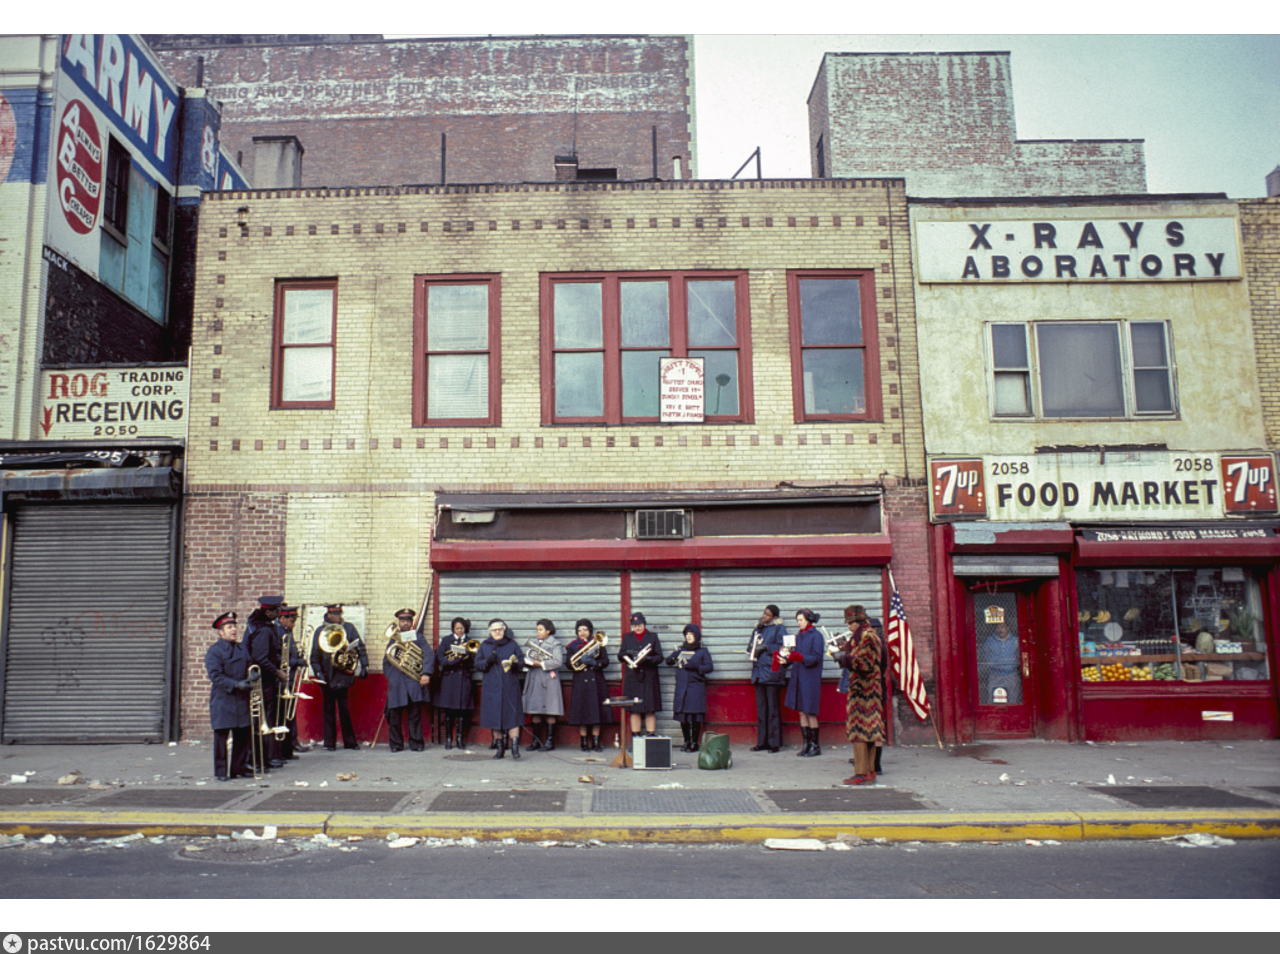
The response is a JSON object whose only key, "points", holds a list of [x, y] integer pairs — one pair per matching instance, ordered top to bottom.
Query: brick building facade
{"points": [[507, 106], [945, 122], [1260, 237], [359, 490]]}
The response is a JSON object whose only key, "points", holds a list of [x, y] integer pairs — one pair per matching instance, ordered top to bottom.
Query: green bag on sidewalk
{"points": [[713, 752]]}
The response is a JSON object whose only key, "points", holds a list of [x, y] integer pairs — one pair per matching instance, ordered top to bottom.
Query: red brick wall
{"points": [[371, 113], [907, 512], [234, 553]]}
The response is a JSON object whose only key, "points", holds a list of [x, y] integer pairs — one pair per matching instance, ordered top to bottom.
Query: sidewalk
{"points": [[987, 792]]}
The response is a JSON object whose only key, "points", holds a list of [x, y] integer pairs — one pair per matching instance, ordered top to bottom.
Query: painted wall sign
{"points": [[117, 74], [79, 167], [1130, 249], [681, 388], [146, 401], [1117, 486], [1174, 534]]}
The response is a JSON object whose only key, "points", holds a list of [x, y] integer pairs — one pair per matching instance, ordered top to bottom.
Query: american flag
{"points": [[902, 655]]}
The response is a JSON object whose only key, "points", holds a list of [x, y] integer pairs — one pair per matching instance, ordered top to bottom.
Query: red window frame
{"points": [[283, 287], [677, 291], [420, 340], [870, 346]]}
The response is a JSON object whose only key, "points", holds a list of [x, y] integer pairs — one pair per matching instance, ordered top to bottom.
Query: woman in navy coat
{"points": [[640, 655], [693, 664], [804, 683], [456, 697], [586, 699], [501, 701]]}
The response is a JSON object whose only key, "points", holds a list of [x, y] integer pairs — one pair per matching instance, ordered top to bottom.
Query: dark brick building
{"points": [[369, 111]]}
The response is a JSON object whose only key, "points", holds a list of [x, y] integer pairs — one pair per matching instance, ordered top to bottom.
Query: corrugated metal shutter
{"points": [[523, 597], [665, 598], [733, 599], [89, 623]]}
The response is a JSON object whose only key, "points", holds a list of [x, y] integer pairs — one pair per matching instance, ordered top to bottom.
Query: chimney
{"points": [[277, 162], [566, 168], [1273, 182]]}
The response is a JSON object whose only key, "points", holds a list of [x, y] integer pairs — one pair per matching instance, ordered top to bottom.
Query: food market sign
{"points": [[1078, 250], [141, 401], [1100, 487]]}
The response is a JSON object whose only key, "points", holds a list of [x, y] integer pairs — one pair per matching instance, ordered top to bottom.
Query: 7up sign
{"points": [[1248, 484]]}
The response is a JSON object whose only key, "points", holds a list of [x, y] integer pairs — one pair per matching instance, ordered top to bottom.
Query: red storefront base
{"points": [[1065, 708]]}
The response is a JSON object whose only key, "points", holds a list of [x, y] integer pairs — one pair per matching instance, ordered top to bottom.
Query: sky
{"points": [[1207, 105]]}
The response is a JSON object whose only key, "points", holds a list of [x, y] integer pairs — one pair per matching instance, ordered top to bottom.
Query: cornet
{"points": [[755, 644], [458, 650], [633, 663]]}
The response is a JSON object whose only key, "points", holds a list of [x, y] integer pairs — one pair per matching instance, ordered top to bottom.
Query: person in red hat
{"points": [[640, 654], [227, 664]]}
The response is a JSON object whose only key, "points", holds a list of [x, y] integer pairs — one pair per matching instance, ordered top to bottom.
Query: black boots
{"points": [[460, 725], [686, 729], [448, 731], [695, 735], [549, 737], [582, 741], [536, 743], [500, 744], [595, 744], [811, 746], [515, 747], [877, 768]]}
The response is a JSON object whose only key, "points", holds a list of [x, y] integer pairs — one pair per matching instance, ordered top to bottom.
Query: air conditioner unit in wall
{"points": [[663, 525]]}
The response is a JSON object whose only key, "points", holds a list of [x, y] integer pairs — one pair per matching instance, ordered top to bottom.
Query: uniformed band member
{"points": [[262, 638], [766, 639], [290, 649], [227, 664], [640, 678], [804, 681], [335, 682], [404, 693], [456, 695], [586, 699], [543, 701], [501, 702], [689, 704]]}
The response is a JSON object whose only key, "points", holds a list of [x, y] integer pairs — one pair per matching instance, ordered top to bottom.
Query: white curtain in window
{"points": [[1080, 374], [457, 386]]}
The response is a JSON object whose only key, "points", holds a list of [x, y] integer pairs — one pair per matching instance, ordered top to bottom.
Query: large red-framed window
{"points": [[603, 335], [835, 354], [304, 359], [456, 368]]}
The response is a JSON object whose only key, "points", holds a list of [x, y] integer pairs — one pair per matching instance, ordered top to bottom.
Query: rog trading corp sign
{"points": [[1078, 250], [143, 401], [1123, 486]]}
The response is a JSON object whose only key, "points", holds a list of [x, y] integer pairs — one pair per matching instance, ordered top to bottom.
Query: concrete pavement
{"points": [[988, 792]]}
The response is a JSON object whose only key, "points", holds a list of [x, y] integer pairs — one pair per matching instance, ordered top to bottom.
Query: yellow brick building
{"points": [[346, 487]]}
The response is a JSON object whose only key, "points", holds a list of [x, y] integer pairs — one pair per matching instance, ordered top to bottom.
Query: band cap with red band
{"points": [[223, 620]]}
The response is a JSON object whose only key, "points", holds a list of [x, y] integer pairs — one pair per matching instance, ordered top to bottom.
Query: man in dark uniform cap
{"points": [[262, 637], [289, 648], [227, 664], [335, 682], [405, 693]]}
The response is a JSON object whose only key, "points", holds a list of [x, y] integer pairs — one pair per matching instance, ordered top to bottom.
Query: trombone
{"points": [[258, 727]]}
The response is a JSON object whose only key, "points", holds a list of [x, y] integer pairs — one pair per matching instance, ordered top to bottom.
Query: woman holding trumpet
{"points": [[640, 655], [693, 664], [456, 697], [543, 700], [586, 702], [501, 705]]}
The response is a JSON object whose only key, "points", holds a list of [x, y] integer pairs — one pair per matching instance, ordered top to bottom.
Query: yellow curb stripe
{"points": [[669, 829]]}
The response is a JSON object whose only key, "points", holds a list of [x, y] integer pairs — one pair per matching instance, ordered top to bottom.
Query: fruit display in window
{"points": [[1131, 614], [1083, 616], [1101, 616], [1204, 642], [1115, 672], [1165, 672], [1140, 673], [1091, 674]]}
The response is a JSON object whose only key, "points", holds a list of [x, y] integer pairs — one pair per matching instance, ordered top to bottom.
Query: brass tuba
{"points": [[332, 638], [403, 652]]}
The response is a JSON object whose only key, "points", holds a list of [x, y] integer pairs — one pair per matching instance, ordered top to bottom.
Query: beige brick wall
{"points": [[1260, 232], [358, 481]]}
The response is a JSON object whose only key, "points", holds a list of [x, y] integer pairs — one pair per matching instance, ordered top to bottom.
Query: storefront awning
{"points": [[97, 483], [985, 537], [1152, 546], [1001, 564]]}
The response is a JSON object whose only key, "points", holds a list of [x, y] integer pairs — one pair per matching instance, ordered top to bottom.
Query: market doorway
{"points": [[1001, 648]]}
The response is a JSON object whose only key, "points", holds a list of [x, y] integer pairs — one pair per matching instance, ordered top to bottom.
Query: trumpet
{"points": [[591, 647], [459, 650], [750, 653], [633, 663]]}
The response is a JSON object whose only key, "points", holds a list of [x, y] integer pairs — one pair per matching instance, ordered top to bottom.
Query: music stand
{"points": [[623, 759]]}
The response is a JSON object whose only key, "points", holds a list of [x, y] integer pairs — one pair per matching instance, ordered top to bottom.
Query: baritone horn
{"points": [[333, 640], [591, 647], [403, 651]]}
